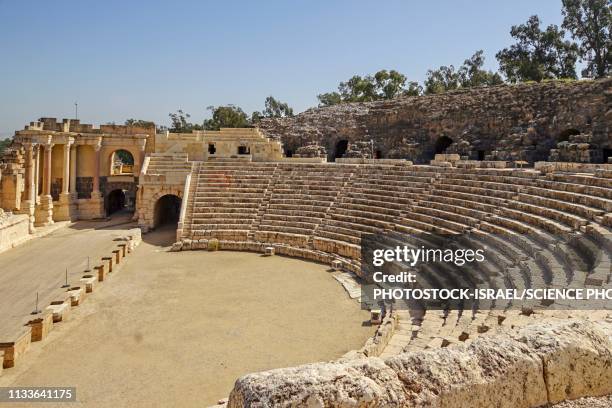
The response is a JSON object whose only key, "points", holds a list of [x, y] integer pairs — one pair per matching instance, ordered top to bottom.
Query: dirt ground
{"points": [[40, 264], [177, 329]]}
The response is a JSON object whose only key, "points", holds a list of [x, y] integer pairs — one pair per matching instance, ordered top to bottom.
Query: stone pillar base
{"points": [[28, 207], [92, 208], [64, 209], [43, 214]]}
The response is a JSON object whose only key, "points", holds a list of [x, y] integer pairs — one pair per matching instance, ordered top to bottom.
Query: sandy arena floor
{"points": [[177, 329]]}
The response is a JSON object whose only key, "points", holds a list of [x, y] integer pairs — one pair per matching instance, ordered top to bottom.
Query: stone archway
{"points": [[565, 135], [442, 144], [341, 148], [121, 162], [115, 201], [167, 210]]}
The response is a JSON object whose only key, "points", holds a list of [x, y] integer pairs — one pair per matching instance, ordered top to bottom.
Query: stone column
{"points": [[141, 158], [47, 170], [36, 171], [73, 171], [66, 175], [96, 178], [30, 188], [94, 207], [44, 211], [64, 211]]}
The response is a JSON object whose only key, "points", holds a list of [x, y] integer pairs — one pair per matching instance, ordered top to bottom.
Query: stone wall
{"points": [[506, 122], [14, 229], [538, 365]]}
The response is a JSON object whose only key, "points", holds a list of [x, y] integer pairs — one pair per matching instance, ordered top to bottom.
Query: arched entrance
{"points": [[565, 135], [442, 144], [340, 149], [122, 162], [115, 201], [167, 210]]}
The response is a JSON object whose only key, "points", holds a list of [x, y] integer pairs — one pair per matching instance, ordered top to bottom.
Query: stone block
{"points": [[213, 244], [117, 255], [108, 260], [88, 281], [77, 295], [60, 310], [41, 326], [13, 350]]}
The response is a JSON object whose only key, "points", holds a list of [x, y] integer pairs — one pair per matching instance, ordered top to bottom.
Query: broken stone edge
{"points": [[536, 365]]}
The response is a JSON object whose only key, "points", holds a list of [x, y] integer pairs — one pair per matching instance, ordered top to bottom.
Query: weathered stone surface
{"points": [[508, 122], [577, 358], [539, 364], [355, 383]]}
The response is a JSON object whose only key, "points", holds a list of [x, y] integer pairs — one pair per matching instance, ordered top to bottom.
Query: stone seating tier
{"points": [[327, 209]]}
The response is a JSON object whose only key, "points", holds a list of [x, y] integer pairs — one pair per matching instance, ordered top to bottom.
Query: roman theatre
{"points": [[226, 267]]}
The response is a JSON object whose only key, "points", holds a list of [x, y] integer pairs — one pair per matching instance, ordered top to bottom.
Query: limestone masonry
{"points": [[555, 121]]}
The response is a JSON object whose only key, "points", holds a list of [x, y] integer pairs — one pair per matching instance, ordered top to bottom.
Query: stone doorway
{"points": [[442, 144], [340, 149], [115, 201], [167, 210]]}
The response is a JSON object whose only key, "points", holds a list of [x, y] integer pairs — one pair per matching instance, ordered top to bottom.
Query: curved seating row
{"points": [[538, 230]]}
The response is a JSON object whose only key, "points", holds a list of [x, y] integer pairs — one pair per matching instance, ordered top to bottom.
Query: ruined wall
{"points": [[506, 122], [14, 229], [538, 365]]}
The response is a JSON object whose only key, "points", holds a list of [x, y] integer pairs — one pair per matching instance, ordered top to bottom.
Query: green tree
{"points": [[590, 22], [538, 54], [471, 73], [441, 80], [382, 85], [329, 99], [273, 109], [276, 109], [229, 116], [139, 123], [181, 124], [4, 143], [125, 156]]}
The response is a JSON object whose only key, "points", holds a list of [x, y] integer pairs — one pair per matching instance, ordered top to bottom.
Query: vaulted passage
{"points": [[565, 135], [442, 144], [341, 148], [115, 201], [167, 210]]}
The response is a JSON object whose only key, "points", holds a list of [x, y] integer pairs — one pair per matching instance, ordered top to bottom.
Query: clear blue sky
{"points": [[144, 59]]}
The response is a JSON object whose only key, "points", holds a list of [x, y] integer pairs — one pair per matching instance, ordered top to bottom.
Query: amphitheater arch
{"points": [[565, 135], [442, 144], [340, 149], [121, 162], [115, 201], [167, 210]]}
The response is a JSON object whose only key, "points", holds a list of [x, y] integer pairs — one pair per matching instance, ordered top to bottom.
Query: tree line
{"points": [[537, 54]]}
